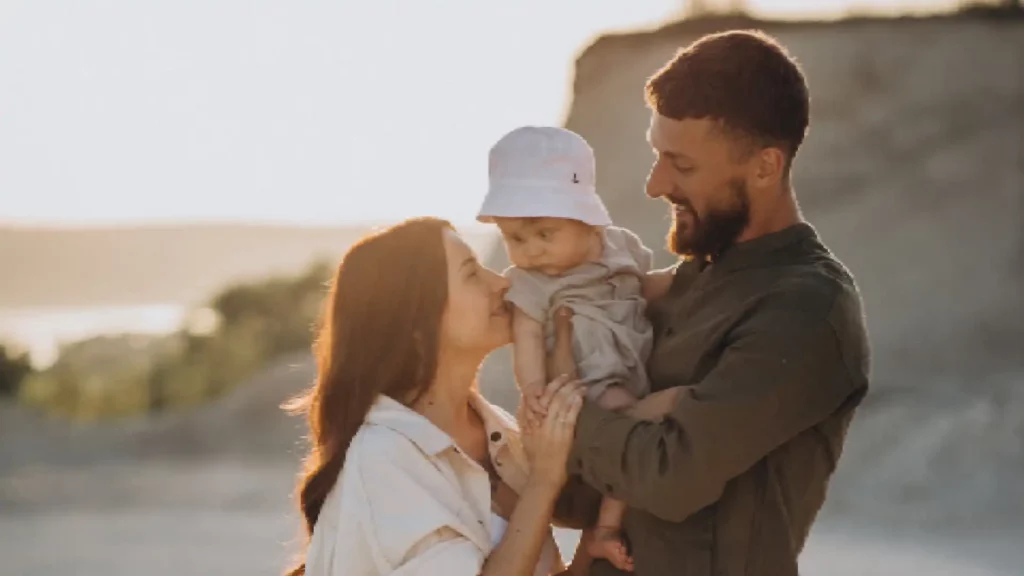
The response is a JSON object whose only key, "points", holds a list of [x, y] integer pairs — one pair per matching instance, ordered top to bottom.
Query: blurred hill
{"points": [[141, 265]]}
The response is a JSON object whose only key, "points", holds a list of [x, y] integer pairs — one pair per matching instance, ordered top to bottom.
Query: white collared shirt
{"points": [[409, 502]]}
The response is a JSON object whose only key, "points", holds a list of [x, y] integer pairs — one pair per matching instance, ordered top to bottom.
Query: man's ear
{"points": [[769, 166]]}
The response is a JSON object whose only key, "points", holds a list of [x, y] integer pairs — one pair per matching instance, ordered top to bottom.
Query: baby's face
{"points": [[549, 245]]}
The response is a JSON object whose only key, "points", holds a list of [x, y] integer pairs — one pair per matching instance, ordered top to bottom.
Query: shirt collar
{"points": [[761, 250], [390, 413], [500, 426]]}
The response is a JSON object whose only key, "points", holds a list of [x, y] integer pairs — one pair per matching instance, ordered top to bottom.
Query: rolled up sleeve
{"points": [[781, 373], [442, 552]]}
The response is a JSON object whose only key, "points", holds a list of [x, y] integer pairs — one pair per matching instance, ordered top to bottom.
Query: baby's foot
{"points": [[606, 542]]}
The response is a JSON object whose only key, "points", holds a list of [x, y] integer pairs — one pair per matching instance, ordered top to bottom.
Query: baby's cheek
{"points": [[515, 256]]}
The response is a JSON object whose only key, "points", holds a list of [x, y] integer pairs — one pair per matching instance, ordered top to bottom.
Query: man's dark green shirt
{"points": [[770, 344]]}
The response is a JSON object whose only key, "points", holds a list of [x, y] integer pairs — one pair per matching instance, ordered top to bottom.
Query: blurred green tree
{"points": [[254, 324], [241, 330], [14, 367]]}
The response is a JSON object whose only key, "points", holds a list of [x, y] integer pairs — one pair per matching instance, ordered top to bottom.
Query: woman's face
{"points": [[477, 319]]}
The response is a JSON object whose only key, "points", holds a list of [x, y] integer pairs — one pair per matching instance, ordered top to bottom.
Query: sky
{"points": [[128, 112]]}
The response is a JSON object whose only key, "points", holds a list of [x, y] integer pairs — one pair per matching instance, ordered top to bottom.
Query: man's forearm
{"points": [[772, 384], [654, 406], [642, 463]]}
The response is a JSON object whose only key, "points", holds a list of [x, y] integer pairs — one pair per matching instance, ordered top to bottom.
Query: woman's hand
{"points": [[548, 445]]}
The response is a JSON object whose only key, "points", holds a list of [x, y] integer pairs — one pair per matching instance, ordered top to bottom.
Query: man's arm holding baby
{"points": [[782, 372], [655, 405]]}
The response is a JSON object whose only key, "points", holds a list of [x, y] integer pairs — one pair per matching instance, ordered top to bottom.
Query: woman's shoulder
{"points": [[392, 429], [388, 474], [391, 497]]}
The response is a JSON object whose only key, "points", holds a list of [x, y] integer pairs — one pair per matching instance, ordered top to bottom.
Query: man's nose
{"points": [[657, 183]]}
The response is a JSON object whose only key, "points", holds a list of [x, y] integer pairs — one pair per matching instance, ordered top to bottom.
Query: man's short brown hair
{"points": [[745, 80]]}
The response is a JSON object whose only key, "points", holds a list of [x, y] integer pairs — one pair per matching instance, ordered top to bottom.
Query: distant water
{"points": [[41, 330]]}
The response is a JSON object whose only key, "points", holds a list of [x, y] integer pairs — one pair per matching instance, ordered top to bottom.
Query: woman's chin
{"points": [[501, 333]]}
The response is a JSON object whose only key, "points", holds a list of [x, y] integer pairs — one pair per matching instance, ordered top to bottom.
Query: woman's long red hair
{"points": [[378, 335]]}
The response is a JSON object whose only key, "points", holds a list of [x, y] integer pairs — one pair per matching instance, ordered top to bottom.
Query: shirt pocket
{"points": [[685, 351]]}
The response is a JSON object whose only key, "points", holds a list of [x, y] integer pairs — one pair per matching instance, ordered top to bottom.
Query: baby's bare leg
{"points": [[616, 398], [605, 540]]}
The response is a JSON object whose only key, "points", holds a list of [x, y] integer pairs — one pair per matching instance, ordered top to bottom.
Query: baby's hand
{"points": [[532, 412]]}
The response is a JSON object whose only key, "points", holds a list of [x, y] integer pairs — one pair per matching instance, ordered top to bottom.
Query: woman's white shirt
{"points": [[409, 502]]}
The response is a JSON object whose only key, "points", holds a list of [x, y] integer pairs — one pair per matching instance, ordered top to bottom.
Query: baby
{"points": [[565, 252]]}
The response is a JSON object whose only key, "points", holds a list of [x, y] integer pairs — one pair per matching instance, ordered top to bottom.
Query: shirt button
{"points": [[495, 436]]}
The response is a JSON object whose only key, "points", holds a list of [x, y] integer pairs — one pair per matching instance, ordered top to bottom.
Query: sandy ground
{"points": [[234, 519], [175, 542]]}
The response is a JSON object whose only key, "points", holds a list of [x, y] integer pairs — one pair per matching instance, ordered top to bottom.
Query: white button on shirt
{"points": [[409, 502]]}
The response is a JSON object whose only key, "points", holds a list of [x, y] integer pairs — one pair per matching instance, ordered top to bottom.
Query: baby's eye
{"points": [[544, 234]]}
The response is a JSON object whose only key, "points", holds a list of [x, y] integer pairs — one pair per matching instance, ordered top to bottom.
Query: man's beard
{"points": [[711, 236]]}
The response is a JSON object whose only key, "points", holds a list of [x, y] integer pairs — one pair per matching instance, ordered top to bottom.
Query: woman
{"points": [[411, 470]]}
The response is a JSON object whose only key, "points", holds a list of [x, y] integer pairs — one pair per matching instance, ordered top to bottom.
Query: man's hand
{"points": [[562, 359], [655, 405]]}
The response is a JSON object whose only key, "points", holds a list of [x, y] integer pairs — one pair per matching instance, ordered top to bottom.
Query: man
{"points": [[760, 350]]}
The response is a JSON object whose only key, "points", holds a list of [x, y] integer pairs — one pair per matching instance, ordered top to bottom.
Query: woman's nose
{"points": [[499, 282]]}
